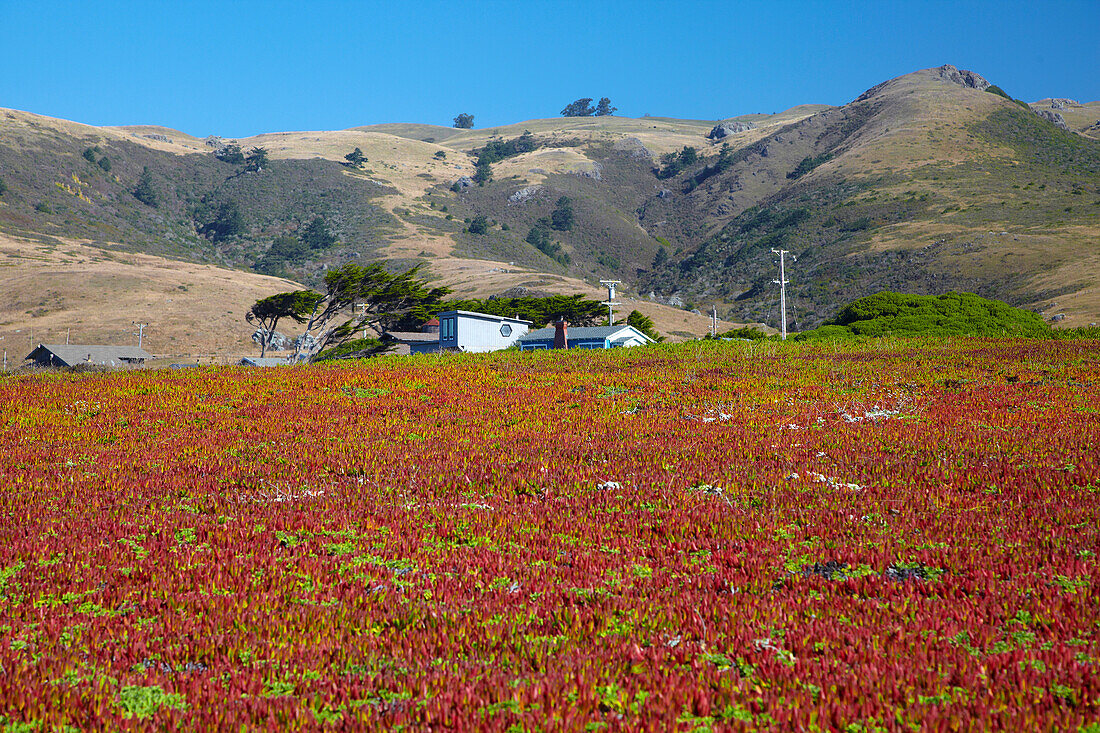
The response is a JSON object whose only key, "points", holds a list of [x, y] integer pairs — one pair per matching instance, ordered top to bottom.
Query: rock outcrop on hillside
{"points": [[962, 77], [1052, 117], [730, 127], [634, 147]]}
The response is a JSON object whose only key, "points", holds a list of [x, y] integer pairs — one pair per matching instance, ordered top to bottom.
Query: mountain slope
{"points": [[925, 183], [921, 185]]}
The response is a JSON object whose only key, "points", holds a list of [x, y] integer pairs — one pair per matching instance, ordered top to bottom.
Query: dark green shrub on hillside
{"points": [[994, 89], [497, 150], [90, 153], [230, 154], [355, 158], [726, 158], [256, 160], [674, 163], [105, 164], [807, 164], [483, 173], [3, 187], [144, 191], [561, 218], [221, 223], [861, 224], [479, 225], [316, 235], [539, 236], [288, 248], [661, 257], [611, 262], [951, 314]]}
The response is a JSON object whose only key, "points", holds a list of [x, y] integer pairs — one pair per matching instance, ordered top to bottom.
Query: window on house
{"points": [[505, 330]]}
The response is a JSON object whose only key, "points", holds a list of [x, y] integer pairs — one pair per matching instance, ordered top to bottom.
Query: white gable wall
{"points": [[478, 332]]}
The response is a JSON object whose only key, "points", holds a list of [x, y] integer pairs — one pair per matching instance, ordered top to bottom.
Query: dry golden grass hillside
{"points": [[57, 289]]}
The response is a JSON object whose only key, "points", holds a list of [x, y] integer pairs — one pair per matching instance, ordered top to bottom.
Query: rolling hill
{"points": [[924, 183]]}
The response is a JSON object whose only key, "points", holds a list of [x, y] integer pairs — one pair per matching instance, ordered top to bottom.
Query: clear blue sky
{"points": [[236, 68]]}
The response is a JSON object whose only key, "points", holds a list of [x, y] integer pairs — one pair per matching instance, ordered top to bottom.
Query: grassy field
{"points": [[893, 535]]}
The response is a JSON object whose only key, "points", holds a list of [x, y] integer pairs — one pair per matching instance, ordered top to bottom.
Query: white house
{"points": [[476, 332]]}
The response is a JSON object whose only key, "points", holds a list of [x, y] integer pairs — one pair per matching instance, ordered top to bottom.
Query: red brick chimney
{"points": [[561, 340]]}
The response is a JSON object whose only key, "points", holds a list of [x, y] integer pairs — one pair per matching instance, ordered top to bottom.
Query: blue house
{"points": [[590, 337]]}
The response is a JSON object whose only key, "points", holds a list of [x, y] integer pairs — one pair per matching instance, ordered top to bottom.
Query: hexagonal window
{"points": [[505, 330]]}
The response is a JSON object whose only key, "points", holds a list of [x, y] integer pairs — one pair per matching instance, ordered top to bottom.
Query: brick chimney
{"points": [[561, 340]]}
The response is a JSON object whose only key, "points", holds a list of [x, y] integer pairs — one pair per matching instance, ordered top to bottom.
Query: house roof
{"points": [[483, 316], [584, 333], [408, 336], [73, 354], [264, 361]]}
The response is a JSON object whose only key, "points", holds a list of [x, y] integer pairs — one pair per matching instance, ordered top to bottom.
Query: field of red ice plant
{"points": [[899, 535]]}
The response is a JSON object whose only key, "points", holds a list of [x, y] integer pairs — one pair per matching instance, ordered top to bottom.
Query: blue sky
{"points": [[239, 68]]}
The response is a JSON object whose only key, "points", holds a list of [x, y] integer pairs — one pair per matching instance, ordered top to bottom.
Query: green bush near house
{"points": [[950, 314]]}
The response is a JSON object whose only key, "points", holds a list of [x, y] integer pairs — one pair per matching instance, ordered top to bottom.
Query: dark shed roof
{"points": [[75, 354]]}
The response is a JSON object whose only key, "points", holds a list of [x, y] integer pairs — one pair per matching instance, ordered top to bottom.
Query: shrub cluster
{"points": [[950, 314]]}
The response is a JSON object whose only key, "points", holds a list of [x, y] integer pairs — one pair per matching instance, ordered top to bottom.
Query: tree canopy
{"points": [[579, 108], [604, 108], [464, 121], [230, 154], [355, 158], [256, 159], [144, 191], [561, 218], [224, 222], [479, 225], [317, 235], [285, 248], [358, 298], [576, 309], [267, 312], [643, 323]]}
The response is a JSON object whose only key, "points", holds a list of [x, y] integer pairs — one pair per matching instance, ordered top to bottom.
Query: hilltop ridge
{"points": [[923, 183]]}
